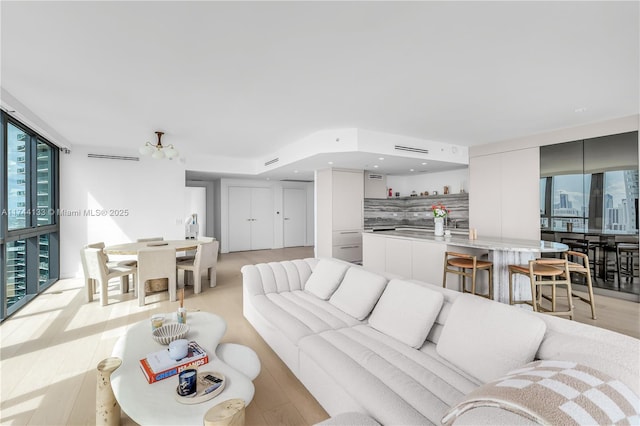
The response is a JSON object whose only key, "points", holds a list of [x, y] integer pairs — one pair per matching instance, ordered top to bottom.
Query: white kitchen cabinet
{"points": [[375, 185], [348, 200], [501, 203], [250, 218], [339, 219], [374, 253], [398, 257], [411, 259], [427, 261]]}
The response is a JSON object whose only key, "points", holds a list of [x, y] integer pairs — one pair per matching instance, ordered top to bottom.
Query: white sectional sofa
{"points": [[412, 353]]}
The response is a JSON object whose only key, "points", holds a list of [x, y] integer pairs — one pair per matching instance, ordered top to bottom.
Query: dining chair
{"points": [[100, 245], [190, 254], [206, 259], [156, 263], [96, 272]]}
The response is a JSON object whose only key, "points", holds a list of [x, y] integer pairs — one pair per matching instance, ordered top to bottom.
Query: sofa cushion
{"points": [[325, 278], [358, 292], [406, 311], [297, 313], [487, 339], [393, 382]]}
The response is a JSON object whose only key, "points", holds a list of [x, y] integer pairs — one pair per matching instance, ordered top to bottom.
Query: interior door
{"points": [[294, 215], [239, 218], [262, 218]]}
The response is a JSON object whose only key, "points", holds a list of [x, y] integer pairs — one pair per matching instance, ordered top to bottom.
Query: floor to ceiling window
{"points": [[589, 200], [29, 248]]}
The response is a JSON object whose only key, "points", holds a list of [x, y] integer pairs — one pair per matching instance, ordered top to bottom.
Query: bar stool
{"points": [[583, 245], [625, 254], [463, 262], [582, 268], [557, 270]]}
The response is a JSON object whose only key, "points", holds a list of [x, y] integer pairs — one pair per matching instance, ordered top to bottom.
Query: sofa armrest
{"points": [[276, 277], [251, 280], [491, 416]]}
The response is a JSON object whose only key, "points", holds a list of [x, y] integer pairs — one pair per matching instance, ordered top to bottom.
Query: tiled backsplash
{"points": [[415, 211]]}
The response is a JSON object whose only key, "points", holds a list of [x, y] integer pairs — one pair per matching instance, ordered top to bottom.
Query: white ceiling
{"points": [[242, 79]]}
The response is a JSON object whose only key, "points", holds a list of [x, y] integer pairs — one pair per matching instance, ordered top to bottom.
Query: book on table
{"points": [[158, 365]]}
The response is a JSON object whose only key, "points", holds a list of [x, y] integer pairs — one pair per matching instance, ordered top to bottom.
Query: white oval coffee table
{"points": [[155, 403]]}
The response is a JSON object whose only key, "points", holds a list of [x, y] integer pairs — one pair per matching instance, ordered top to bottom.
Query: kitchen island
{"points": [[419, 254]]}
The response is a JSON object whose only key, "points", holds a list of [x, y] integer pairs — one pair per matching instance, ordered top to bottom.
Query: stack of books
{"points": [[158, 365]]}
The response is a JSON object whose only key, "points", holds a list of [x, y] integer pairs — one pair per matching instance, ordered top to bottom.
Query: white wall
{"points": [[504, 176], [454, 179], [277, 193], [141, 199], [211, 207]]}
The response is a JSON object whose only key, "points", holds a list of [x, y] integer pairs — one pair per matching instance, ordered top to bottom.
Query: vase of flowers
{"points": [[439, 213]]}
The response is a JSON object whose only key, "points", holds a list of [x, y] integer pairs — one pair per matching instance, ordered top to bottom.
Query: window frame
{"points": [[31, 232]]}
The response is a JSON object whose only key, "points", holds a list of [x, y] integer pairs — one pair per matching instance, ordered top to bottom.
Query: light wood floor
{"points": [[50, 349]]}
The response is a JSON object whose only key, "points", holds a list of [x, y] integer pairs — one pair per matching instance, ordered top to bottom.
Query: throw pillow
{"points": [[325, 278], [358, 292], [406, 311], [487, 339]]}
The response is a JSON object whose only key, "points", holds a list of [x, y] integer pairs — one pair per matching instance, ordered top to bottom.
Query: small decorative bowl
{"points": [[170, 332]]}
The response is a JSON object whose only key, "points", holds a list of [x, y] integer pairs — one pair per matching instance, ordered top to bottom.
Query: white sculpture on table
{"points": [[192, 228]]}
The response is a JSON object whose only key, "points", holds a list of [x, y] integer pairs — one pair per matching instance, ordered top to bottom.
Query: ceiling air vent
{"points": [[411, 149], [113, 157], [270, 162], [374, 176], [295, 180]]}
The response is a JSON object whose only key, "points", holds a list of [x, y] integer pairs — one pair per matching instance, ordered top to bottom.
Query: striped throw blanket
{"points": [[556, 393]]}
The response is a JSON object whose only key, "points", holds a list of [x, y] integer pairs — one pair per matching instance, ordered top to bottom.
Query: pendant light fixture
{"points": [[159, 151]]}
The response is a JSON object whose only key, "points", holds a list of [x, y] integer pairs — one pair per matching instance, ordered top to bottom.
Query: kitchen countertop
{"points": [[460, 238]]}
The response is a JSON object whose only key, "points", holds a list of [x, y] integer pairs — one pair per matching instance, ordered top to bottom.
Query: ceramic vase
{"points": [[439, 226]]}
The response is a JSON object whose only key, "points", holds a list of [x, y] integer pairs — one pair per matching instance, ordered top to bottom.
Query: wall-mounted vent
{"points": [[411, 149], [113, 157], [270, 162], [374, 176], [295, 180]]}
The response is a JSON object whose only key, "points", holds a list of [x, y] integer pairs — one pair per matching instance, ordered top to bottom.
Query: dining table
{"points": [[128, 249], [131, 249]]}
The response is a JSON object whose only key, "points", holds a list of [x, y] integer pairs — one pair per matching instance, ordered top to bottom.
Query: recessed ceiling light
{"points": [[581, 109], [381, 158], [330, 162], [424, 163], [375, 166], [411, 170], [295, 171]]}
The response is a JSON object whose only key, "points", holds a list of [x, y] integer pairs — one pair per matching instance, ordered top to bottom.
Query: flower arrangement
{"points": [[439, 210]]}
